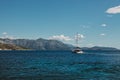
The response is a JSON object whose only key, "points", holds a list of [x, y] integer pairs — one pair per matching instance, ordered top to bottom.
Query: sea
{"points": [[59, 65]]}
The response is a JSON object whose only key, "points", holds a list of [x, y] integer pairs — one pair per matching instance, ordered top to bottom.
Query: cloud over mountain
{"points": [[6, 35], [79, 36], [60, 37]]}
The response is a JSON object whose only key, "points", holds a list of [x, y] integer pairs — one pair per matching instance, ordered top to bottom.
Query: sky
{"points": [[96, 21]]}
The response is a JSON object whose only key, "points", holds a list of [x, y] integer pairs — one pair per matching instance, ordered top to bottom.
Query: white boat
{"points": [[77, 48]]}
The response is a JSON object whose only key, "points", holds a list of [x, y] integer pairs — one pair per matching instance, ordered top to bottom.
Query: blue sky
{"points": [[96, 20]]}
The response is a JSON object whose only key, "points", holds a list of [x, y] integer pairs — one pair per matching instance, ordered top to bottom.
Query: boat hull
{"points": [[77, 51]]}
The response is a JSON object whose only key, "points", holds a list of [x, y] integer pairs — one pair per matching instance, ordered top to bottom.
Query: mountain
{"points": [[38, 44], [44, 44], [9, 47], [98, 48]]}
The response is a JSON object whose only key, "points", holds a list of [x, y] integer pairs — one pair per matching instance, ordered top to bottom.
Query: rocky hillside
{"points": [[38, 44], [9, 47], [98, 48]]}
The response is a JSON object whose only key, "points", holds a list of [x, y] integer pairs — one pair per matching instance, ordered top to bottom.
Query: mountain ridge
{"points": [[38, 44], [45, 44], [4, 46], [100, 48]]}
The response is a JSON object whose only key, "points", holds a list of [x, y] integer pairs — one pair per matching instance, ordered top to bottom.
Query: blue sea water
{"points": [[59, 65]]}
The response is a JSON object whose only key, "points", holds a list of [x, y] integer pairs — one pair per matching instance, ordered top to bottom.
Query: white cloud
{"points": [[113, 10], [104, 25], [4, 33], [102, 34], [79, 36], [11, 37], [60, 37]]}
